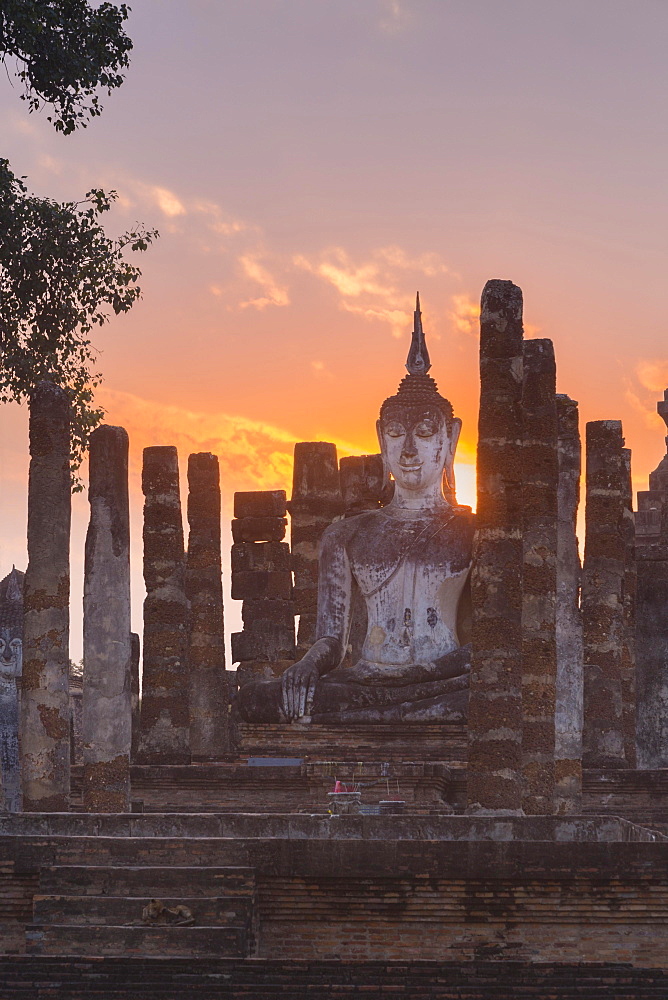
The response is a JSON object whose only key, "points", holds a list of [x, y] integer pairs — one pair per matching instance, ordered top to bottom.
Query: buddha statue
{"points": [[410, 561]]}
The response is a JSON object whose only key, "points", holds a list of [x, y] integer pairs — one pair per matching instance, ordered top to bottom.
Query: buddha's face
{"points": [[417, 446]]}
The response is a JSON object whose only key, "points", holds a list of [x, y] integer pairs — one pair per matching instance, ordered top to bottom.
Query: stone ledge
{"points": [[301, 827]]}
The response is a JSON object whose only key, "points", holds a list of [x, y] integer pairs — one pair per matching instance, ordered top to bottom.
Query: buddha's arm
{"points": [[333, 626]]}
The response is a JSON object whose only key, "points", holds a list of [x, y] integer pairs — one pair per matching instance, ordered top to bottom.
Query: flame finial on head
{"points": [[418, 362], [418, 388]]}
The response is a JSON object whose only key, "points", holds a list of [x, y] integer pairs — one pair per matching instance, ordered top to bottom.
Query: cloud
{"points": [[394, 16], [167, 202], [374, 288], [274, 294], [465, 314], [653, 374], [253, 454]]}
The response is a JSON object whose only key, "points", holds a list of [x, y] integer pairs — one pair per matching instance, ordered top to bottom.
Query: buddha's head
{"points": [[417, 429]]}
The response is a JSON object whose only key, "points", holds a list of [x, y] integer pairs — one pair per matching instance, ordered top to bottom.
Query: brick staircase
{"points": [[97, 910], [208, 979]]}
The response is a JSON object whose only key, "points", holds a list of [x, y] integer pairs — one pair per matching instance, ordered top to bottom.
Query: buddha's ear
{"points": [[455, 431], [381, 441]]}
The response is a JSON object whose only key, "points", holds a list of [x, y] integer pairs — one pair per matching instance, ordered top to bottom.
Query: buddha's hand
{"points": [[298, 688]]}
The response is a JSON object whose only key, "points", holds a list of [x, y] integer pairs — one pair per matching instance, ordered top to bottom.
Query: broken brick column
{"points": [[540, 474], [362, 483], [363, 487], [316, 501], [651, 524], [262, 579], [603, 596], [107, 648], [570, 652], [628, 665], [134, 695], [209, 697], [495, 704], [45, 706], [165, 709]]}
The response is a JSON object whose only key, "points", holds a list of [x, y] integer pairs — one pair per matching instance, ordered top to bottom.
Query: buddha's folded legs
{"points": [[338, 700]]}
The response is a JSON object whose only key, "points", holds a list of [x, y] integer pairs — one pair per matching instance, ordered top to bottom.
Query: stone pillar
{"points": [[540, 475], [362, 483], [316, 502], [651, 523], [262, 579], [603, 597], [570, 651], [135, 654], [11, 659], [628, 665], [11, 666], [209, 697], [495, 704], [45, 707], [107, 708], [165, 709]]}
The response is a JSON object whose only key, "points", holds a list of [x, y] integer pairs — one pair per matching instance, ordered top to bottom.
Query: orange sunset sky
{"points": [[310, 164]]}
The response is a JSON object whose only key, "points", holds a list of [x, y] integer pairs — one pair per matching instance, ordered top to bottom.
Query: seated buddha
{"points": [[410, 560]]}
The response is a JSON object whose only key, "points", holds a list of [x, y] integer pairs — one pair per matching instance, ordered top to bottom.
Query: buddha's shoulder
{"points": [[459, 521], [349, 527]]}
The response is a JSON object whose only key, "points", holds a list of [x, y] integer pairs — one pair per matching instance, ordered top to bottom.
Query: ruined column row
{"points": [[553, 666]]}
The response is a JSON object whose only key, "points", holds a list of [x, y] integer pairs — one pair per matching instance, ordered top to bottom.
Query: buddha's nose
{"points": [[409, 450]]}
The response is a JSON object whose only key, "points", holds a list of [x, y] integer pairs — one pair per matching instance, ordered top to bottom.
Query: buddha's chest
{"points": [[404, 558]]}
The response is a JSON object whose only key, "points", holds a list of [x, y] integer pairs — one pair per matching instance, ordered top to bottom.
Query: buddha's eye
{"points": [[394, 429], [426, 429]]}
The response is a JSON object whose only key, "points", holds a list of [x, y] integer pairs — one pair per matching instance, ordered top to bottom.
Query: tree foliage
{"points": [[64, 51], [60, 276]]}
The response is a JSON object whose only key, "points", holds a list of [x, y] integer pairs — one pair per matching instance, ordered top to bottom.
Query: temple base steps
{"points": [[98, 910], [209, 979]]}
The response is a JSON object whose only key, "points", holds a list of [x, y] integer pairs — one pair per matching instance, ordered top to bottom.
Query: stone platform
{"points": [[410, 741], [345, 888], [262, 979]]}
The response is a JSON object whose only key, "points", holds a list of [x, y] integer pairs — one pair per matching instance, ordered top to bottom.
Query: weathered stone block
{"points": [[362, 482], [260, 503], [258, 529], [263, 556], [253, 585], [282, 612], [266, 641]]}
